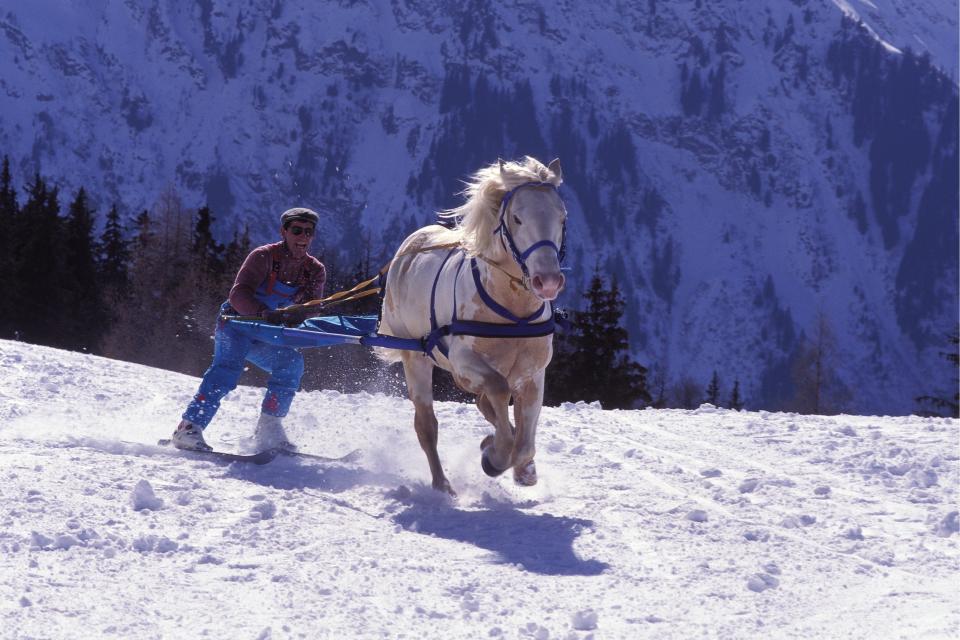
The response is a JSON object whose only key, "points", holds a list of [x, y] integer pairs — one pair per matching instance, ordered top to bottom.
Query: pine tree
{"points": [[145, 231], [9, 237], [208, 251], [236, 252], [114, 255], [40, 270], [83, 315], [598, 344], [713, 390], [736, 403], [943, 405]]}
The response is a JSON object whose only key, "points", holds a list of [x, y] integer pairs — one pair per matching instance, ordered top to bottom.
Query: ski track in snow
{"points": [[660, 524]]}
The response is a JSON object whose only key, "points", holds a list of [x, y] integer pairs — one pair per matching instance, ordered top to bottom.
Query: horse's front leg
{"points": [[418, 371], [493, 399], [527, 402]]}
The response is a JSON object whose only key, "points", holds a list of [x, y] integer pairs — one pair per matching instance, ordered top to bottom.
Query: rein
{"points": [[359, 290]]}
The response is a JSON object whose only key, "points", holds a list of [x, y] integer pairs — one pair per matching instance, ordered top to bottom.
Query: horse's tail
{"points": [[388, 356]]}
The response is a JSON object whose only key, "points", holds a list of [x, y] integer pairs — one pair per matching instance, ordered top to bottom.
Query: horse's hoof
{"points": [[486, 442], [488, 467], [526, 475], [444, 487]]}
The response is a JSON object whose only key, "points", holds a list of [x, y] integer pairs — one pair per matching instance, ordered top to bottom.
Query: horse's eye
{"points": [[517, 220]]}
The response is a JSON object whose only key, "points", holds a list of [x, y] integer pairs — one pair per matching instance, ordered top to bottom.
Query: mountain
{"points": [[756, 176], [656, 523]]}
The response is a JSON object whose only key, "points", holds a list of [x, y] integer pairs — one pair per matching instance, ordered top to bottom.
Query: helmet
{"points": [[301, 214]]}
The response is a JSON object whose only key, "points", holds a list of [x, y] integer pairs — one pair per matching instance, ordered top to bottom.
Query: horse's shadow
{"points": [[542, 543]]}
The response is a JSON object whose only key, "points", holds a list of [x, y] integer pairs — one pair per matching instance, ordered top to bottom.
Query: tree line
{"points": [[149, 292]]}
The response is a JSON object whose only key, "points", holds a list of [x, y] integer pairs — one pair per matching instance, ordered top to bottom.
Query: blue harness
{"points": [[518, 327]]}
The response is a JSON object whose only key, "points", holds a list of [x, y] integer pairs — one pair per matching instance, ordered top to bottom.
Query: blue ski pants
{"points": [[231, 351]]}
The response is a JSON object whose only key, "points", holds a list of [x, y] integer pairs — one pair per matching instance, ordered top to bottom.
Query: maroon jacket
{"points": [[307, 274]]}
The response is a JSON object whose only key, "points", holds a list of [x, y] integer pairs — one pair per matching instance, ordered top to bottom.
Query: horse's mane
{"points": [[476, 218]]}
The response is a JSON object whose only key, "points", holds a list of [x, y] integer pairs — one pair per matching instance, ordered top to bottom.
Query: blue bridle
{"points": [[507, 237]]}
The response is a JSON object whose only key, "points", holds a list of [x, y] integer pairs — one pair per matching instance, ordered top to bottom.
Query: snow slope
{"points": [[665, 524]]}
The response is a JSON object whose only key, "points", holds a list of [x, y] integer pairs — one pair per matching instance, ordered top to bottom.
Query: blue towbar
{"points": [[324, 331]]}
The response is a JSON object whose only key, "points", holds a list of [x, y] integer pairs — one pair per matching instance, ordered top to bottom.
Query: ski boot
{"points": [[270, 434], [189, 436]]}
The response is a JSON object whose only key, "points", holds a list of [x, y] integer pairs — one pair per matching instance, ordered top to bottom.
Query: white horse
{"points": [[479, 295]]}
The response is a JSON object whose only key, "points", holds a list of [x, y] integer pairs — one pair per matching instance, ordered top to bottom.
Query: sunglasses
{"points": [[301, 230]]}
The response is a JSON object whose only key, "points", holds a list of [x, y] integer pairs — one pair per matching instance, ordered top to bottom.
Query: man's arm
{"points": [[253, 272], [319, 281]]}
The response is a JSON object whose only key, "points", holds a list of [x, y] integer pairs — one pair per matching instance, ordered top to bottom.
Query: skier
{"points": [[272, 276]]}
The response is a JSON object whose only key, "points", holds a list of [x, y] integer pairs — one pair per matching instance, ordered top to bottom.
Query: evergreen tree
{"points": [[9, 223], [145, 231], [207, 250], [236, 252], [114, 255], [38, 313], [82, 315], [599, 345], [713, 390], [686, 394], [736, 402], [943, 404]]}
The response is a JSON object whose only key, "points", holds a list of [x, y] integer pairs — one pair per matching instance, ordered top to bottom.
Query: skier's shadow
{"points": [[542, 543]]}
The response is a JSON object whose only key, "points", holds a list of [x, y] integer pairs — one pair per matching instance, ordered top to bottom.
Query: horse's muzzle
{"points": [[547, 286]]}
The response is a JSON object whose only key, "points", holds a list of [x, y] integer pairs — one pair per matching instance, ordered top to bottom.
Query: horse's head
{"points": [[532, 226]]}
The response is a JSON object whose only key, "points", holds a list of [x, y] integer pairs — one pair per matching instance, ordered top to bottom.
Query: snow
{"points": [[654, 523]]}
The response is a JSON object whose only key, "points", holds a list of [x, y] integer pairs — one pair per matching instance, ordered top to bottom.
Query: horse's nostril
{"points": [[537, 282]]}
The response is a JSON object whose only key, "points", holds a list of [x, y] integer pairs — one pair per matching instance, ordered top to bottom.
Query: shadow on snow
{"points": [[542, 543]]}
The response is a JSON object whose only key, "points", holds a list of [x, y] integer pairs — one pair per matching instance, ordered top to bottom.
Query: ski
{"points": [[262, 457], [347, 457]]}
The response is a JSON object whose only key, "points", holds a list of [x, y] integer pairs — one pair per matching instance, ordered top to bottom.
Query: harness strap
{"points": [[274, 269], [495, 306], [519, 327], [494, 330], [437, 332]]}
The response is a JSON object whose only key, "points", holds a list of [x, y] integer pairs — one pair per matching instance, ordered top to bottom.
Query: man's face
{"points": [[298, 235]]}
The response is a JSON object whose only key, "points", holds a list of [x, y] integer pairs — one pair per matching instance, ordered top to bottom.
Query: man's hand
{"points": [[291, 316]]}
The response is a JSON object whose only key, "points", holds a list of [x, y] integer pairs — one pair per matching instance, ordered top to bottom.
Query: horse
{"points": [[478, 291]]}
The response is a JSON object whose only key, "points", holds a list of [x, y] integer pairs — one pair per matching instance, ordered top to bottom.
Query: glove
{"points": [[289, 317]]}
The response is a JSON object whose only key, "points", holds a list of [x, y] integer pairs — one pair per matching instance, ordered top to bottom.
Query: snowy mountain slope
{"points": [[718, 162], [666, 524]]}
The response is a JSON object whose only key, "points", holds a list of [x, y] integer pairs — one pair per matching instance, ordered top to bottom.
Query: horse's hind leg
{"points": [[418, 371]]}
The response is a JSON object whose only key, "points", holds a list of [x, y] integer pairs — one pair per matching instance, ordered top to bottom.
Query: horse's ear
{"points": [[501, 163], [554, 167]]}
